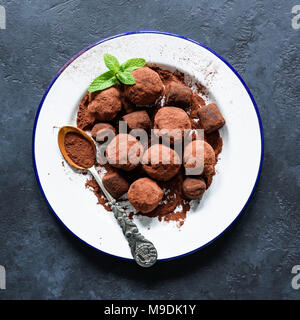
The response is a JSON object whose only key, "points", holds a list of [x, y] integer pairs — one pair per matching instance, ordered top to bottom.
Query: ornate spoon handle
{"points": [[142, 250]]}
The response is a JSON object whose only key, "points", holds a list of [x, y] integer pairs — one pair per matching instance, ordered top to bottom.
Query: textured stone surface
{"points": [[254, 259]]}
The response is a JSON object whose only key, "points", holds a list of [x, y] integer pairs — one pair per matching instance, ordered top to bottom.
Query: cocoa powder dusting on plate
{"points": [[93, 185]]}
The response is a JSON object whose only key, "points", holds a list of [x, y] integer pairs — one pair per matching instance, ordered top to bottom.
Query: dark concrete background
{"points": [[251, 261]]}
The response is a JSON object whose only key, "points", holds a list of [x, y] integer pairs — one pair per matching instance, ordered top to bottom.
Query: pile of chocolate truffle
{"points": [[159, 100]]}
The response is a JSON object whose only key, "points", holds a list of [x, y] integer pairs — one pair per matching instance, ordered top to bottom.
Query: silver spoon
{"points": [[142, 250]]}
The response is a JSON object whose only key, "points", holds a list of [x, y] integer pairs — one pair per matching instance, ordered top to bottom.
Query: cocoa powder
{"points": [[85, 118], [80, 150], [94, 186], [174, 205]]}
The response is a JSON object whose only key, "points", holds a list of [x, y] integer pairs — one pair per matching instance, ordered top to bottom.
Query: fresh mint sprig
{"points": [[117, 73]]}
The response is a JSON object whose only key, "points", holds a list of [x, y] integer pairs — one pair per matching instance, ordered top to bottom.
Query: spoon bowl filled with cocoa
{"points": [[155, 130]]}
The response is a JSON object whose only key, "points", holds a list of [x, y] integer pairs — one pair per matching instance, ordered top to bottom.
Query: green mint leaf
{"points": [[111, 62], [133, 64], [125, 77], [106, 80], [105, 85]]}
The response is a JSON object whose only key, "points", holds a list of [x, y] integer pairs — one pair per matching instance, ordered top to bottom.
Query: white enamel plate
{"points": [[237, 171]]}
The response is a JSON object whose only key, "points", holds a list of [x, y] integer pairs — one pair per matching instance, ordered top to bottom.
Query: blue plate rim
{"points": [[145, 32]]}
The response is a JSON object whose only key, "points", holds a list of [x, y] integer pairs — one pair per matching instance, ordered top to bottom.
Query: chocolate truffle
{"points": [[148, 87], [178, 95], [107, 104], [128, 106], [85, 118], [210, 118], [170, 119], [138, 120], [101, 131], [215, 140], [124, 152], [161, 163], [195, 165], [208, 174], [209, 180], [115, 184], [193, 189], [145, 195]]}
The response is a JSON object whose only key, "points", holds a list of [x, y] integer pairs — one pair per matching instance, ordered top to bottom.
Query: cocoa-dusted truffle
{"points": [[148, 87], [178, 95], [107, 104], [128, 106], [85, 118], [211, 118], [170, 119], [138, 120], [101, 131], [124, 152], [205, 160], [161, 162], [115, 184], [193, 189], [145, 195]]}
